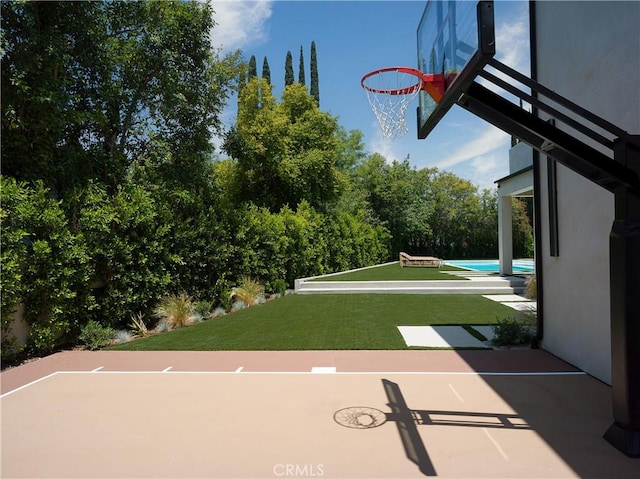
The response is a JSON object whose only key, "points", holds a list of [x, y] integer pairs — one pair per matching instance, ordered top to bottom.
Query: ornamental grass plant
{"points": [[247, 292], [175, 310]]}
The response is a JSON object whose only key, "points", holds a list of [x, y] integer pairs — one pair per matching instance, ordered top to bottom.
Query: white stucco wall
{"points": [[588, 52]]}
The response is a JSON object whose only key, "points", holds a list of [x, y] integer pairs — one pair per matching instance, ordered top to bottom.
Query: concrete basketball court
{"points": [[334, 414]]}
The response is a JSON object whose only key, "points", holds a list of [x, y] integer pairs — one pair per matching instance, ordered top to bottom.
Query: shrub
{"points": [[129, 243], [13, 250], [45, 265], [278, 286], [224, 296], [202, 309], [175, 310], [511, 331], [94, 335], [41, 339], [11, 347]]}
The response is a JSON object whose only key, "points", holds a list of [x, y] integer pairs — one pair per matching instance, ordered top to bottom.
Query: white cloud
{"points": [[240, 23], [512, 42], [491, 139], [382, 146], [485, 163], [487, 169], [484, 170]]}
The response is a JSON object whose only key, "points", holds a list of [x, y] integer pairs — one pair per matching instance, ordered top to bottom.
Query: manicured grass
{"points": [[393, 272], [316, 322]]}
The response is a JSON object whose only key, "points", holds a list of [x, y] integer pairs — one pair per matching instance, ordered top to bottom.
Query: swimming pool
{"points": [[491, 265]]}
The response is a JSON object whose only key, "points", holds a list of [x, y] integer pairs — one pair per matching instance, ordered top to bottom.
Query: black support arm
{"points": [[548, 139]]}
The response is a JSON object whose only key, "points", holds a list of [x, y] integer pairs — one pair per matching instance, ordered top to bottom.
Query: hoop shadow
{"points": [[408, 419], [406, 424]]}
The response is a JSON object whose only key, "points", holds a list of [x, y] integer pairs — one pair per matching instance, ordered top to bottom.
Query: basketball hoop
{"points": [[390, 90]]}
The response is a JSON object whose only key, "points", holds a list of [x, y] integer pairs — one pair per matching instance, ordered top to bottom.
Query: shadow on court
{"points": [[568, 413], [407, 420], [406, 424]]}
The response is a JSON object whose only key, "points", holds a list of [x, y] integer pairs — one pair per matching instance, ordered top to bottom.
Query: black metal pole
{"points": [[624, 433]]}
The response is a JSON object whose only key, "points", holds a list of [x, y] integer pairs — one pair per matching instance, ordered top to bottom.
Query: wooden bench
{"points": [[419, 261]]}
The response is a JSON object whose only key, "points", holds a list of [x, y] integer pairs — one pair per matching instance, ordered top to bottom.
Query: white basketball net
{"points": [[389, 93]]}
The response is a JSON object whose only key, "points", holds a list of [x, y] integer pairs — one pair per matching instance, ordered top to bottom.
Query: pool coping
{"points": [[496, 263]]}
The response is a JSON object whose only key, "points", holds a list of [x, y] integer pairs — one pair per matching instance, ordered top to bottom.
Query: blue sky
{"points": [[355, 37]]}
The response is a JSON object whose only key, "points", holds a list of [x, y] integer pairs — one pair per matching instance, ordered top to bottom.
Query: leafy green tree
{"points": [[301, 68], [288, 70], [266, 71], [36, 74], [86, 84], [315, 85], [351, 149], [285, 152], [351, 154], [389, 192], [426, 211], [417, 221], [464, 221], [522, 230], [353, 240], [483, 242]]}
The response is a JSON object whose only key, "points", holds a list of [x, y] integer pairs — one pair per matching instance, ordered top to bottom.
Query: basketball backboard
{"points": [[456, 39]]}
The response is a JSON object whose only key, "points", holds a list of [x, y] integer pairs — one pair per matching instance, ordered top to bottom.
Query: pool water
{"points": [[491, 266]]}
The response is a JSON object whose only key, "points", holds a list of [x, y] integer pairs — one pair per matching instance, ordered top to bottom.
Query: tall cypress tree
{"points": [[253, 68], [288, 70], [301, 70], [266, 71], [315, 86]]}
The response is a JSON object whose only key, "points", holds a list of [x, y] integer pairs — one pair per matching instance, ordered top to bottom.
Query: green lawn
{"points": [[393, 272], [316, 322]]}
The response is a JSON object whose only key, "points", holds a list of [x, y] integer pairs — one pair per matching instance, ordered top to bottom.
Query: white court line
{"points": [[97, 369], [240, 369], [166, 370], [323, 370], [304, 373], [349, 373], [32, 383], [456, 393], [495, 443]]}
